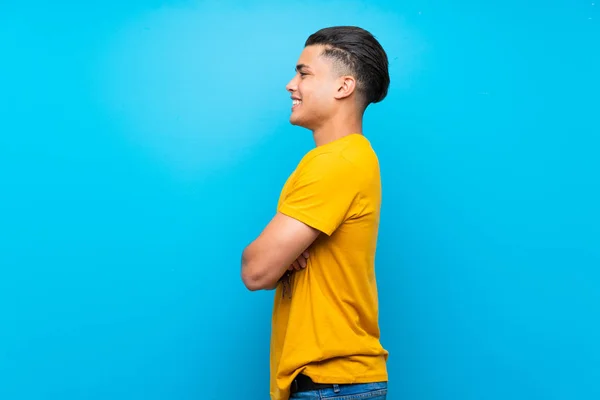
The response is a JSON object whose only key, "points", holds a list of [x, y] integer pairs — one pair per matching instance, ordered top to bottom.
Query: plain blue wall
{"points": [[143, 145]]}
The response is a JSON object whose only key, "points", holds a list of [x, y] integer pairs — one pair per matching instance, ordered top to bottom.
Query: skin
{"points": [[330, 104], [330, 108]]}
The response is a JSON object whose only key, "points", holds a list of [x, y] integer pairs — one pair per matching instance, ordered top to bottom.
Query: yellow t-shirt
{"points": [[328, 329]]}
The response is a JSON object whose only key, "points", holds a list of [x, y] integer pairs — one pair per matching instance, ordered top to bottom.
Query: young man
{"points": [[319, 249]]}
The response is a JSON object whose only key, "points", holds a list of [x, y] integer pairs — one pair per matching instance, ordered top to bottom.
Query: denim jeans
{"points": [[362, 391]]}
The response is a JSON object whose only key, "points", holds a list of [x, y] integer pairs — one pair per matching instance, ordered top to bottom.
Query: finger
{"points": [[305, 254], [301, 262], [296, 265], [291, 267]]}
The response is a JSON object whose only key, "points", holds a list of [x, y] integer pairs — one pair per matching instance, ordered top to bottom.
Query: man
{"points": [[319, 249]]}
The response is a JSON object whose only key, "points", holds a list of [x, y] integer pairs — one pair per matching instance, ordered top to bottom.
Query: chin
{"points": [[294, 120]]}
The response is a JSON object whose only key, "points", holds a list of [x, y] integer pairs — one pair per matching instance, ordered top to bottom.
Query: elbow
{"points": [[250, 277], [253, 278], [251, 282], [254, 282]]}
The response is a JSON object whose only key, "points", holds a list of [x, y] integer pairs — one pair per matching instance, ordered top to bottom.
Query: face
{"points": [[313, 89]]}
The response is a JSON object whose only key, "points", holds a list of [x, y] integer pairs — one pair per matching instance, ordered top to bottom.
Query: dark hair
{"points": [[358, 53]]}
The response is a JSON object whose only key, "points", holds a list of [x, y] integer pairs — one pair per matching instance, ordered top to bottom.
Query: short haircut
{"points": [[356, 52]]}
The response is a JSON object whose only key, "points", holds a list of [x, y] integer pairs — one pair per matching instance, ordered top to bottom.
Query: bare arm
{"points": [[267, 258]]}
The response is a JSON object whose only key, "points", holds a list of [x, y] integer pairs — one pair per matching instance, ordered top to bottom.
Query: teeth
{"points": [[296, 102]]}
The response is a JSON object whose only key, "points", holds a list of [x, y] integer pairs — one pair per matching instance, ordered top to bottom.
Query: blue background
{"points": [[143, 144]]}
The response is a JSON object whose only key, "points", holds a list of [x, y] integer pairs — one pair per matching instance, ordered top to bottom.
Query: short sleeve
{"points": [[322, 193]]}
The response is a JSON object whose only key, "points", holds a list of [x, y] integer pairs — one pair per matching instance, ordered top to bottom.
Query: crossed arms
{"points": [[317, 202], [267, 258]]}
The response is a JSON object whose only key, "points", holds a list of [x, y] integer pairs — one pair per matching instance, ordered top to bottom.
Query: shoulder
{"points": [[353, 157], [332, 164]]}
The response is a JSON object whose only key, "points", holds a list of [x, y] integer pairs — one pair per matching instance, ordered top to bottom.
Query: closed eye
{"points": [[301, 68]]}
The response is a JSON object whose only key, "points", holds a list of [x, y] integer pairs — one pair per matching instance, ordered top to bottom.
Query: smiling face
{"points": [[314, 89]]}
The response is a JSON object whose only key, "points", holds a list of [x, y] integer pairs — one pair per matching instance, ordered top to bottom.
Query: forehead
{"points": [[311, 57]]}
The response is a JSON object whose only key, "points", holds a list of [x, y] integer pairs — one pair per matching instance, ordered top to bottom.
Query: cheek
{"points": [[303, 88], [314, 90], [324, 95]]}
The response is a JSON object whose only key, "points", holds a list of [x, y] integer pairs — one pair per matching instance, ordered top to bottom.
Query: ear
{"points": [[346, 86]]}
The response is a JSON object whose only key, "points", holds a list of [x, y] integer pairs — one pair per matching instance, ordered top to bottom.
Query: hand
{"points": [[300, 262]]}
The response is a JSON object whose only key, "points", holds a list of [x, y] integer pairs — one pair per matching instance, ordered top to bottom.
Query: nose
{"points": [[292, 85]]}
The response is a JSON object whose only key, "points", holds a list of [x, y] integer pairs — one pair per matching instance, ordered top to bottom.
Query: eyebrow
{"points": [[301, 67]]}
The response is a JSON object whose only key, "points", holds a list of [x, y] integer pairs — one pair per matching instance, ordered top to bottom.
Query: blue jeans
{"points": [[366, 391]]}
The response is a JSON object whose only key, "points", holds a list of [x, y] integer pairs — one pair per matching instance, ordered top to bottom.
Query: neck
{"points": [[336, 129]]}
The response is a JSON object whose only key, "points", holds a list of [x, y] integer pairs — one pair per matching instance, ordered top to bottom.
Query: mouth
{"points": [[296, 103]]}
